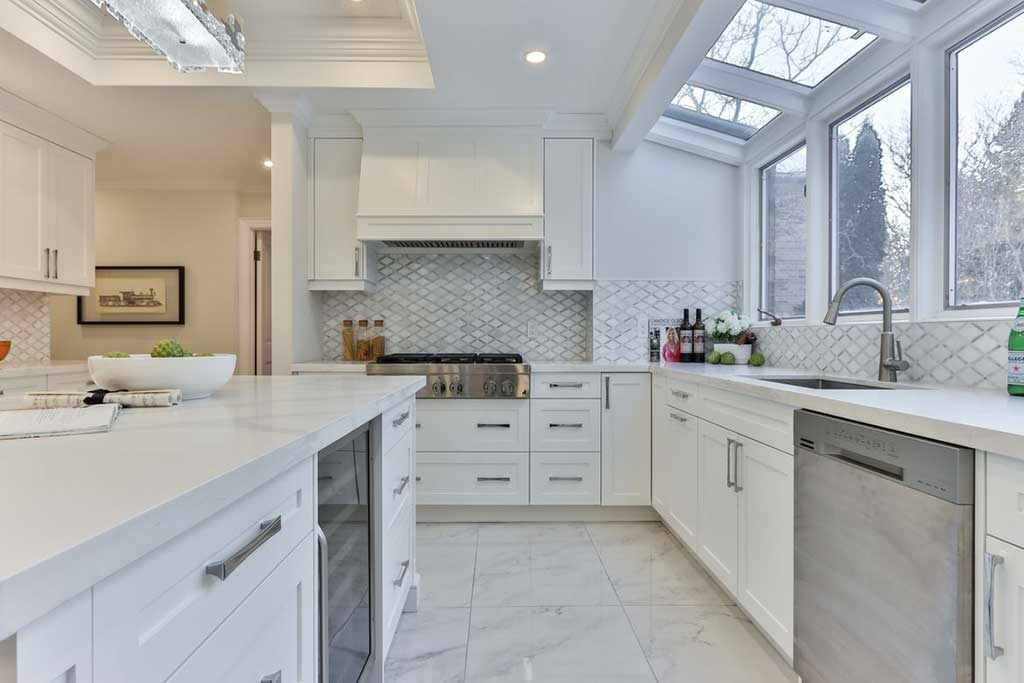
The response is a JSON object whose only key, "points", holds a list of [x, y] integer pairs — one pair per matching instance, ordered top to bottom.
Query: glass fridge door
{"points": [[343, 509]]}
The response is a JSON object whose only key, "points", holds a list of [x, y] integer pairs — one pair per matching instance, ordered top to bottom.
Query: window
{"points": [[787, 44], [720, 112], [871, 199], [986, 231], [784, 234]]}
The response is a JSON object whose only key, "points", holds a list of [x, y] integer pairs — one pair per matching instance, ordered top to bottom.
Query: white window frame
{"points": [[762, 247]]}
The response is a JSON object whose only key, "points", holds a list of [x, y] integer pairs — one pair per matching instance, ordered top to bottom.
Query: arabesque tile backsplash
{"points": [[25, 321]]}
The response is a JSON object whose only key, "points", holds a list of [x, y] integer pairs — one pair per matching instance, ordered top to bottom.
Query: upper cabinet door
{"points": [[23, 179], [568, 209], [71, 217], [337, 255], [626, 439]]}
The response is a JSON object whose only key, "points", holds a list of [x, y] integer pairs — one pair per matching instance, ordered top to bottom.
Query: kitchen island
{"points": [[82, 513]]}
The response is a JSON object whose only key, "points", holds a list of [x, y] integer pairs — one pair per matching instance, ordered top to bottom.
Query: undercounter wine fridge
{"points": [[345, 529]]}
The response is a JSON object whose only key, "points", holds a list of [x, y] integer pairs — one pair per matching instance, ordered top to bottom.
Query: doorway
{"points": [[255, 313], [262, 337]]}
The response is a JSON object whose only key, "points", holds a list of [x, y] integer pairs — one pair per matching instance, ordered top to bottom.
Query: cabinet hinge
{"points": [[256, 255]]}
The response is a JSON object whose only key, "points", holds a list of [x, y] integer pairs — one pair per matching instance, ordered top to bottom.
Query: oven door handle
{"points": [[324, 630]]}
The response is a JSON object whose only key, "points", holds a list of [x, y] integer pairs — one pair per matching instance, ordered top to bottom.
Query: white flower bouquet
{"points": [[729, 327]]}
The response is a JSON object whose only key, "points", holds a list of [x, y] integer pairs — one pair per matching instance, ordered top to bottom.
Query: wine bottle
{"points": [[686, 338], [698, 339], [1015, 348]]}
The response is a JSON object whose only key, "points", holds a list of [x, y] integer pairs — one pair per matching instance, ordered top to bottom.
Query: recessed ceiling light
{"points": [[535, 56], [268, 163]]}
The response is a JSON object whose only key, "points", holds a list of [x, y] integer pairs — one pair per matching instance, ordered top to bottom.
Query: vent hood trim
{"points": [[472, 232]]}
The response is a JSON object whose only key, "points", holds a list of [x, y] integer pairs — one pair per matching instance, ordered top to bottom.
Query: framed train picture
{"points": [[135, 295]]}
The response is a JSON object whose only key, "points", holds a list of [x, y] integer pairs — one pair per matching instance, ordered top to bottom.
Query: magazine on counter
{"points": [[663, 343]]}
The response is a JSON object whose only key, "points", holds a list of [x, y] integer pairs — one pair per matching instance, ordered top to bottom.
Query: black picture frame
{"points": [[175, 273]]}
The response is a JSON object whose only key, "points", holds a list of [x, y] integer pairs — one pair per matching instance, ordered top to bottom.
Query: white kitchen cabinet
{"points": [[71, 217], [568, 248], [24, 250], [337, 260], [473, 425], [565, 425], [683, 436], [626, 439], [661, 449], [472, 478], [565, 478], [764, 481], [718, 538], [1007, 584], [58, 646]]}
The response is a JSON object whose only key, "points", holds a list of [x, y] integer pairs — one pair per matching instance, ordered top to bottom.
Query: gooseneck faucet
{"points": [[890, 357]]}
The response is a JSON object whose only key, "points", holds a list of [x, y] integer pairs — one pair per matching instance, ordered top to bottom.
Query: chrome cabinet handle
{"points": [[46, 255], [549, 260], [357, 261], [56, 271], [565, 385], [607, 393], [680, 394], [677, 417], [400, 420], [493, 425], [566, 425], [737, 445], [494, 478], [565, 478], [419, 479], [405, 482], [729, 483], [223, 569], [401, 577], [325, 640], [992, 651], [272, 678]]}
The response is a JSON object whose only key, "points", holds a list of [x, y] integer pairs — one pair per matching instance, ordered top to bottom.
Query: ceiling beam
{"points": [[883, 19], [692, 31], [750, 85], [699, 141]]}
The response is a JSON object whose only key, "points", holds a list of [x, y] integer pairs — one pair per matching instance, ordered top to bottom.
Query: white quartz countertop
{"points": [[329, 366], [535, 366], [37, 368], [985, 419], [75, 509]]}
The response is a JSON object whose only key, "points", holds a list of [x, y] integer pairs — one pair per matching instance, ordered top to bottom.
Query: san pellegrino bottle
{"points": [[1015, 376]]}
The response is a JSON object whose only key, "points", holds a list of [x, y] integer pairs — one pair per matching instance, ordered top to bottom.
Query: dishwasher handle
{"points": [[992, 651]]}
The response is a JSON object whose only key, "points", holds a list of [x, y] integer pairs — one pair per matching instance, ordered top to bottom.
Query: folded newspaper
{"points": [[156, 398], [25, 424]]}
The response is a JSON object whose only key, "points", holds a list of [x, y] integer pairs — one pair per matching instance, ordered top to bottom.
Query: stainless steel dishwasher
{"points": [[884, 542]]}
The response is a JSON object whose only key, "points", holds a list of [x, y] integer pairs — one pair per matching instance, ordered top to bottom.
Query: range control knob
{"points": [[490, 387], [438, 388], [456, 388], [507, 388]]}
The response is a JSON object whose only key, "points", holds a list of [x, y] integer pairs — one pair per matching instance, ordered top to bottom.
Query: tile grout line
{"points": [[472, 593], [622, 607]]}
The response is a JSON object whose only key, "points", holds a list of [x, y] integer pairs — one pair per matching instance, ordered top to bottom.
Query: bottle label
{"points": [[1018, 324], [686, 341], [698, 341], [1016, 373]]}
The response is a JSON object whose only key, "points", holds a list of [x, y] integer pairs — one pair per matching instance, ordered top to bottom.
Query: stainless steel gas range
{"points": [[461, 375]]}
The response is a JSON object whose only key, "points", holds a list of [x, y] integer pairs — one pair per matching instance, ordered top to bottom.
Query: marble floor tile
{"points": [[446, 533], [532, 533], [642, 536], [446, 571], [534, 574], [665, 576], [712, 644], [554, 645], [429, 647]]}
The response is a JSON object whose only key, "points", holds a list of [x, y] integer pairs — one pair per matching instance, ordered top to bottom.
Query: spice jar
{"points": [[348, 340], [363, 341], [377, 341]]}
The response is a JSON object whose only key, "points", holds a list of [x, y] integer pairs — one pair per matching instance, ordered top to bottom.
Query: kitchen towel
{"points": [[157, 398]]}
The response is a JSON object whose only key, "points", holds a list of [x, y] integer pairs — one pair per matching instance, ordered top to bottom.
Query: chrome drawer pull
{"points": [[46, 255], [565, 385], [680, 394], [676, 417], [400, 420], [418, 425], [493, 425], [566, 425], [736, 466], [494, 478], [565, 478], [419, 479], [729, 483], [401, 488], [222, 570], [401, 577], [992, 651], [272, 678]]}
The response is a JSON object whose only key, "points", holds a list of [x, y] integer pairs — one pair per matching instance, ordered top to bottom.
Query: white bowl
{"points": [[196, 376]]}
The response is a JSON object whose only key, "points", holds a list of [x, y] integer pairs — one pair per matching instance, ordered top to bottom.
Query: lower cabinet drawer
{"points": [[565, 385], [568, 424], [473, 425], [565, 478], [396, 479], [472, 479], [1005, 498], [398, 571], [151, 616], [271, 637]]}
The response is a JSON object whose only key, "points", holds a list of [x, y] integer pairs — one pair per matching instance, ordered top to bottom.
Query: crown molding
{"points": [[27, 116], [405, 118], [182, 185]]}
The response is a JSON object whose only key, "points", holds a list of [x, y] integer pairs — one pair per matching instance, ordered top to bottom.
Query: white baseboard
{"points": [[534, 513]]}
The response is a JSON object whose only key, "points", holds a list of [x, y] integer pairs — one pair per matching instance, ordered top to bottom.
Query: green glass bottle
{"points": [[1015, 375]]}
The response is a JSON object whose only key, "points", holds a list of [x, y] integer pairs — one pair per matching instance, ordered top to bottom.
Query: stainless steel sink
{"points": [[823, 383]]}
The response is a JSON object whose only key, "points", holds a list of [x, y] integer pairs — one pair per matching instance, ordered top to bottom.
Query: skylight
{"points": [[786, 44], [720, 112]]}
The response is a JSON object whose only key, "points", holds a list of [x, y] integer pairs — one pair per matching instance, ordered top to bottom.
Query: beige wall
{"points": [[198, 230]]}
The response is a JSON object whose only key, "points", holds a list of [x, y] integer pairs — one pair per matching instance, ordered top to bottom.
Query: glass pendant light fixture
{"points": [[185, 31]]}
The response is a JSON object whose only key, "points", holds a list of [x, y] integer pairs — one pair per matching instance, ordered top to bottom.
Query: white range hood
{"points": [[451, 189]]}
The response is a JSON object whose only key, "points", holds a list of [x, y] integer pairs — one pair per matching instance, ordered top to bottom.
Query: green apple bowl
{"points": [[195, 376]]}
